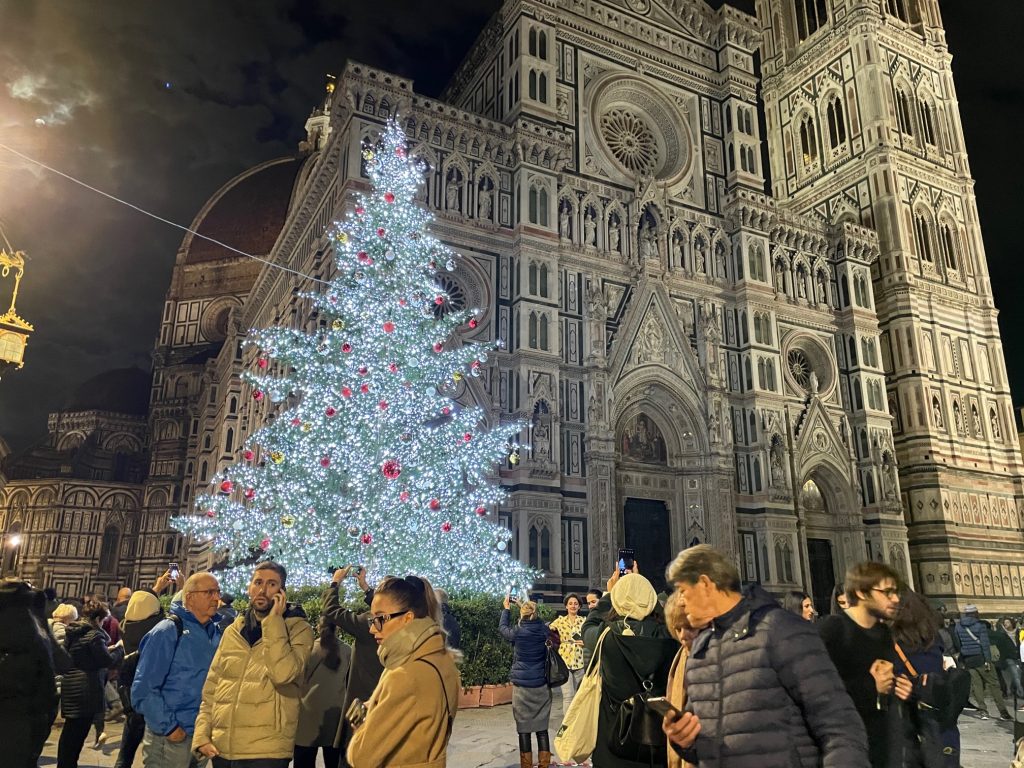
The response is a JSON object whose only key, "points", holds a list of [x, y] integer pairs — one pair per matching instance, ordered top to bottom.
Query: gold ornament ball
{"points": [[368, 154], [343, 237], [338, 324], [457, 377], [306, 426], [277, 457], [513, 459], [287, 521]]}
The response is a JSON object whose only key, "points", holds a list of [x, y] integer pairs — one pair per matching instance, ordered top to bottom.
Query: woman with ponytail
{"points": [[323, 692], [531, 696], [409, 717]]}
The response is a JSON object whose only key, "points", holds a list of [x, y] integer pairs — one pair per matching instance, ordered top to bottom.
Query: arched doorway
{"points": [[821, 565]]}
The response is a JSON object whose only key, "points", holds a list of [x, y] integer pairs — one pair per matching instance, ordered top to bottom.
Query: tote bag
{"points": [[577, 737]]}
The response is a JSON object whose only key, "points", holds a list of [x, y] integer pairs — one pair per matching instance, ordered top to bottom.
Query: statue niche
{"points": [[642, 441]]}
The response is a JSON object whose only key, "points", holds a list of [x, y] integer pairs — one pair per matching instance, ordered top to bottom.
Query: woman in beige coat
{"points": [[409, 716]]}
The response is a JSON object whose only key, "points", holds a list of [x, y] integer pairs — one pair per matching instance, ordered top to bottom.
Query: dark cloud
{"points": [[161, 103]]}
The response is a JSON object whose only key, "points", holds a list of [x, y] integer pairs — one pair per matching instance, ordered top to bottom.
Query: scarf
{"points": [[399, 647], [676, 694]]}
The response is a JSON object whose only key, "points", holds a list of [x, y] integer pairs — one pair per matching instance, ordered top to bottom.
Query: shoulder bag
{"points": [[577, 736]]}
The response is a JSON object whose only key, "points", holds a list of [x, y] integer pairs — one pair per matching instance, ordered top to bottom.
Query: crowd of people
{"points": [[712, 674]]}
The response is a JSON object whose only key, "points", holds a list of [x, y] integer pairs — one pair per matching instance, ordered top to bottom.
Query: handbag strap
{"points": [[595, 659], [905, 660]]}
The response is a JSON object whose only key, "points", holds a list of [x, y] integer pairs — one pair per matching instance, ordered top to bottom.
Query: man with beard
{"points": [[861, 647], [251, 698]]}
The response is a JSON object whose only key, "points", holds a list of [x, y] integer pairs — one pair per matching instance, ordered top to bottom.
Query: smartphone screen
{"points": [[625, 561], [173, 568], [662, 706]]}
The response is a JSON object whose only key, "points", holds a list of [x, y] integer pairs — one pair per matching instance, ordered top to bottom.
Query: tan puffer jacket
{"points": [[251, 698]]}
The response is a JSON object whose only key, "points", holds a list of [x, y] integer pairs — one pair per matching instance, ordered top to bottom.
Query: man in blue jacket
{"points": [[976, 655], [173, 661]]}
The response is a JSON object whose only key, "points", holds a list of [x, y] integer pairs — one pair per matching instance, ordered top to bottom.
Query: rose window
{"points": [[631, 140], [456, 301], [800, 367]]}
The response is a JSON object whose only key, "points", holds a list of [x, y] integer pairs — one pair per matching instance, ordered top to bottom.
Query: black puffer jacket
{"points": [[27, 687], [81, 692], [767, 694]]}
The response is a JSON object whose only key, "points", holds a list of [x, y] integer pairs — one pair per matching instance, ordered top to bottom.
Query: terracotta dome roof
{"points": [[246, 213], [122, 390]]}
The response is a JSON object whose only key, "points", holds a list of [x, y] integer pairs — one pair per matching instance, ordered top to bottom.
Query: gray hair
{"points": [[704, 560]]}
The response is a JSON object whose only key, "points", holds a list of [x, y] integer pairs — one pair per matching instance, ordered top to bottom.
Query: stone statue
{"points": [[452, 195], [484, 210], [563, 223], [590, 229], [613, 236], [649, 243], [680, 252], [698, 258], [720, 263], [780, 278], [801, 285], [822, 293], [812, 382], [937, 413], [977, 421], [714, 431], [997, 433], [541, 440], [778, 472]]}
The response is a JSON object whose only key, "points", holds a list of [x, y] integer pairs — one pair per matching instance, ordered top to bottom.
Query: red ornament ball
{"points": [[400, 151], [389, 197], [360, 210], [381, 232], [363, 257], [439, 300], [473, 323], [388, 326], [438, 346], [346, 347], [263, 362], [475, 364], [393, 367], [363, 370], [364, 388], [346, 392], [257, 395], [383, 405], [446, 410], [330, 411], [296, 421], [467, 437], [248, 455], [325, 461], [391, 469], [227, 486], [250, 493], [403, 496], [435, 504], [481, 510], [210, 513], [446, 526], [366, 539], [265, 545]]}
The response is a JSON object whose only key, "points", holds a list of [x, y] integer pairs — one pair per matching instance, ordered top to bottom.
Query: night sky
{"points": [[161, 103]]}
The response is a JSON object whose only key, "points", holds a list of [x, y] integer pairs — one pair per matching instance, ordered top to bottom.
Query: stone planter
{"points": [[496, 695], [469, 698]]}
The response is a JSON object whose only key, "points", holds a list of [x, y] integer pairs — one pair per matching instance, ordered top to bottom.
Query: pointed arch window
{"points": [[902, 10], [811, 15], [532, 42], [542, 45], [927, 112], [903, 113], [728, 118], [836, 122], [808, 141], [538, 205], [923, 237], [948, 241], [533, 278], [544, 280], [533, 330], [543, 334], [229, 440], [540, 547], [108, 550]]}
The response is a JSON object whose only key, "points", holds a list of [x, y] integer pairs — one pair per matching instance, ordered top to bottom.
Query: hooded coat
{"points": [[969, 646], [529, 650], [632, 652], [81, 693], [767, 694], [250, 706], [408, 720]]}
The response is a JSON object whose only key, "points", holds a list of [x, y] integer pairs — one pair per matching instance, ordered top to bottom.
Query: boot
{"points": [[543, 759], [526, 760]]}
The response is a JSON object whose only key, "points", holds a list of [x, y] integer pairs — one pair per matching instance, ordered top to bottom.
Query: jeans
{"points": [[1010, 670], [983, 680], [571, 686], [72, 737], [131, 738], [158, 752], [305, 757], [259, 762]]}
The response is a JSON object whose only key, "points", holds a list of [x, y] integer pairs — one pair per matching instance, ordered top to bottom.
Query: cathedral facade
{"points": [[805, 376]]}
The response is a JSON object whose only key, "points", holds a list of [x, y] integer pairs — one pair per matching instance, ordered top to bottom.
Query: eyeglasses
{"points": [[207, 592], [889, 592], [380, 621]]}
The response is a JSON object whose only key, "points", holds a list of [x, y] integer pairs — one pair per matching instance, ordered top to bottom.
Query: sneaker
{"points": [[983, 716], [1005, 716], [102, 739]]}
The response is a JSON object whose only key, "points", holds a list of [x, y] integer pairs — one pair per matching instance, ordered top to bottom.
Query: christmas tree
{"points": [[369, 460]]}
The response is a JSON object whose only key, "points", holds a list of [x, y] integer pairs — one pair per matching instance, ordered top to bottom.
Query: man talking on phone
{"points": [[250, 706]]}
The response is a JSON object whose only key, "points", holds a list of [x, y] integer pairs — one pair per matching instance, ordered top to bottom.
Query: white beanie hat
{"points": [[633, 597]]}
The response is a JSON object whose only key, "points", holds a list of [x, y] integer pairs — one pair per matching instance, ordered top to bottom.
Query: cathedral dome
{"points": [[247, 213], [122, 390]]}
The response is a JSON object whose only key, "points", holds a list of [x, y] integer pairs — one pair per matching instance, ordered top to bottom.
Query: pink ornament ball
{"points": [[389, 197], [388, 326], [257, 395], [248, 455], [325, 461], [435, 504], [446, 526], [366, 539]]}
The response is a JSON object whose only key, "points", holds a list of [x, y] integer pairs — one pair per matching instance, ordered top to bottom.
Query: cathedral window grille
{"points": [[901, 9], [811, 15], [927, 112], [728, 119], [903, 119], [747, 122], [836, 123], [631, 140], [808, 141], [750, 159], [730, 161], [538, 205], [923, 237], [948, 242], [755, 260], [533, 278], [544, 280], [543, 332], [532, 335], [800, 367], [770, 374], [761, 382], [109, 549]]}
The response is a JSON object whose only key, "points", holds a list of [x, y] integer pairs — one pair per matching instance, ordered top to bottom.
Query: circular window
{"points": [[640, 132], [630, 139], [456, 297], [809, 366]]}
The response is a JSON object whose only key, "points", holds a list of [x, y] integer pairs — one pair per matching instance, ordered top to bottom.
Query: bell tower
{"points": [[863, 126]]}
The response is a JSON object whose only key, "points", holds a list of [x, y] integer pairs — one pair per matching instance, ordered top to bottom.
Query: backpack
{"points": [[126, 675]]}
